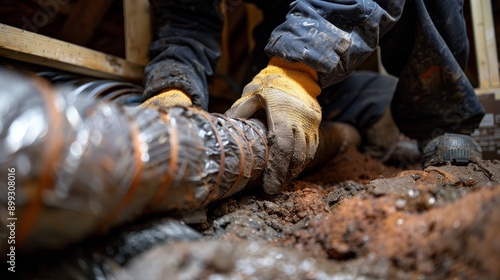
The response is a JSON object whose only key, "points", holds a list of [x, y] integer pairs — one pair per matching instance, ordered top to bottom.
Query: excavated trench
{"points": [[353, 218], [367, 221]]}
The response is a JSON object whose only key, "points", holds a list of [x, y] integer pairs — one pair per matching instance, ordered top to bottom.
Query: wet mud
{"points": [[354, 218], [376, 221]]}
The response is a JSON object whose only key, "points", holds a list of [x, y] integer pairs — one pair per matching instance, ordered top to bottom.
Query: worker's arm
{"points": [[333, 37], [320, 43], [184, 51]]}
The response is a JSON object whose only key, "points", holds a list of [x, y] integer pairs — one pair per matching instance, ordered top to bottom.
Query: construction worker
{"points": [[314, 49]]}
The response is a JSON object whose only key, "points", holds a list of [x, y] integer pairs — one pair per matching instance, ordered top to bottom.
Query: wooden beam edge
{"points": [[138, 31], [484, 40], [30, 47], [484, 91]]}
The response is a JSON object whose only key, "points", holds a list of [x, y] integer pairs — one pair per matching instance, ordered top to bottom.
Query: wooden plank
{"points": [[83, 20], [137, 30], [484, 39], [30, 47], [223, 65], [483, 91]]}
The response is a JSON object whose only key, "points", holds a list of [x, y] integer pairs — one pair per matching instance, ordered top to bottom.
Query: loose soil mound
{"points": [[354, 218]]}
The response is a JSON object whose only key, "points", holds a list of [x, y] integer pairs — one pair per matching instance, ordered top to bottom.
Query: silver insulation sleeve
{"points": [[83, 166]]}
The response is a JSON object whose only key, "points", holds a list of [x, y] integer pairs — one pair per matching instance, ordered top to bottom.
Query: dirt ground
{"points": [[353, 219], [377, 221]]}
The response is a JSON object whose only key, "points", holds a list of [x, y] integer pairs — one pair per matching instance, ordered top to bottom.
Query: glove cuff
{"points": [[297, 72], [173, 91], [169, 97]]}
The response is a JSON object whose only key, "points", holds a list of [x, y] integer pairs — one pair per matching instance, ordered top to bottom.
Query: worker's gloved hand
{"points": [[287, 92], [169, 97]]}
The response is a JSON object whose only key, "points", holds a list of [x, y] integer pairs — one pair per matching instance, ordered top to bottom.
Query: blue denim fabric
{"points": [[333, 37], [424, 43], [428, 51], [360, 99]]}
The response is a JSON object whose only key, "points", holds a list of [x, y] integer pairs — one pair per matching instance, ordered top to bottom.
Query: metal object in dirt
{"points": [[83, 166]]}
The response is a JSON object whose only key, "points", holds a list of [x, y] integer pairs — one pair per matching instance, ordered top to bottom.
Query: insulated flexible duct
{"points": [[81, 166]]}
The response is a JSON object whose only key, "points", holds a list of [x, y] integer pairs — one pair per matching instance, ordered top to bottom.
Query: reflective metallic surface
{"points": [[84, 166]]}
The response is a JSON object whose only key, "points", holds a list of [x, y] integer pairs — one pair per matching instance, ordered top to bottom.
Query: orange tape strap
{"points": [[264, 140], [51, 153], [242, 156], [172, 162], [214, 192], [105, 224]]}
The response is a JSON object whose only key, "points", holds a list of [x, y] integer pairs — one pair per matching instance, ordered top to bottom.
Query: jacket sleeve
{"points": [[333, 37], [185, 47]]}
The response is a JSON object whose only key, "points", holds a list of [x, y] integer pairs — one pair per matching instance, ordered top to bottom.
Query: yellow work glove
{"points": [[287, 92], [169, 97]]}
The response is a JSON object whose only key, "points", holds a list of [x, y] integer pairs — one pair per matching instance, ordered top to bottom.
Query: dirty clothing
{"points": [[423, 42], [185, 47]]}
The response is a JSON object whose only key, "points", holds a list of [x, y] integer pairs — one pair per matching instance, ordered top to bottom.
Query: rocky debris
{"points": [[350, 166], [355, 218], [440, 222], [238, 260]]}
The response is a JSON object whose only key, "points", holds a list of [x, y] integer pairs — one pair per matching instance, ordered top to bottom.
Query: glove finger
{"points": [[160, 102], [244, 107], [281, 143], [304, 151], [299, 155]]}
